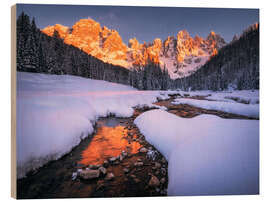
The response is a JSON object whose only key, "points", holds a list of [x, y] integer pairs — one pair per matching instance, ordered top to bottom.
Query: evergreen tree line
{"points": [[37, 52], [236, 66], [150, 77]]}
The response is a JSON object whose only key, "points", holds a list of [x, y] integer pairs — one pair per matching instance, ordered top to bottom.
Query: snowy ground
{"points": [[236, 96], [245, 102], [250, 110], [55, 112], [207, 155], [221, 155]]}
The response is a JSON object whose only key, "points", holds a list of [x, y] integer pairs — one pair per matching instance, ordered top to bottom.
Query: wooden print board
{"points": [[126, 102]]}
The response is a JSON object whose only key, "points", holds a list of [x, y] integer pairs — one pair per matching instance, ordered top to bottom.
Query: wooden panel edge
{"points": [[13, 104]]}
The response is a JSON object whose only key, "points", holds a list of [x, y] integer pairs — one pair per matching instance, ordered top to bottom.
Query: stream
{"points": [[112, 137], [110, 140], [132, 174]]}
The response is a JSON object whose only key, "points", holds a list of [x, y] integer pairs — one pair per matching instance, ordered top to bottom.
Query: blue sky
{"points": [[147, 23]]}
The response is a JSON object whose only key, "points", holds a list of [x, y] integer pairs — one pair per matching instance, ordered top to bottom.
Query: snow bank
{"points": [[204, 93], [240, 96], [251, 110], [55, 112], [207, 155]]}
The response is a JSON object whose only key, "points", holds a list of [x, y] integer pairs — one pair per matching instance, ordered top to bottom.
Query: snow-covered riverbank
{"points": [[250, 110], [55, 112], [207, 155]]}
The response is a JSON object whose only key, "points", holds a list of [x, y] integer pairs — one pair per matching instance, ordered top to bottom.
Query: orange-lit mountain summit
{"points": [[181, 55]]}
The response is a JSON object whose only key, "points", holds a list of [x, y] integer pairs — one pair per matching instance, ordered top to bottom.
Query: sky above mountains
{"points": [[147, 23]]}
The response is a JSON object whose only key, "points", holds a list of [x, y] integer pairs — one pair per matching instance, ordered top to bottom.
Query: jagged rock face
{"points": [[62, 30], [87, 34], [215, 40], [185, 46], [169, 47], [114, 48], [153, 51], [136, 53], [141, 54], [181, 55]]}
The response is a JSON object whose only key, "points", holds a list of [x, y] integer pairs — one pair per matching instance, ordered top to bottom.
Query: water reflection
{"points": [[110, 140]]}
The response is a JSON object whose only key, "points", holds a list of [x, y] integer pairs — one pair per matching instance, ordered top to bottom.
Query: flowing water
{"points": [[114, 135], [110, 140]]}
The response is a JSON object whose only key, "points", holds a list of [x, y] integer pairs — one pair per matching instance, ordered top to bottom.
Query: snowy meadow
{"points": [[55, 112], [206, 154]]}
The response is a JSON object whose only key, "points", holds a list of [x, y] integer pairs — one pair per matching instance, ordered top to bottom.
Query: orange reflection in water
{"points": [[108, 142]]}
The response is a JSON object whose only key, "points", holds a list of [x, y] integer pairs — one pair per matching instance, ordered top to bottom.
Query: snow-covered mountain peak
{"points": [[183, 34], [215, 40], [181, 55]]}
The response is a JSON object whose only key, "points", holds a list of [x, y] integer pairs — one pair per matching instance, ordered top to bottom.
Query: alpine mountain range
{"points": [[90, 50], [181, 55]]}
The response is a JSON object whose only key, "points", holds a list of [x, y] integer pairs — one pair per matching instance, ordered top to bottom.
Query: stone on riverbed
{"points": [[143, 150], [124, 154], [152, 154], [121, 157], [113, 159], [163, 160], [116, 162], [105, 163], [139, 163], [157, 165], [79, 170], [103, 170], [126, 170], [163, 171], [89, 174], [74, 175], [109, 176], [135, 179], [162, 180], [154, 182]]}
